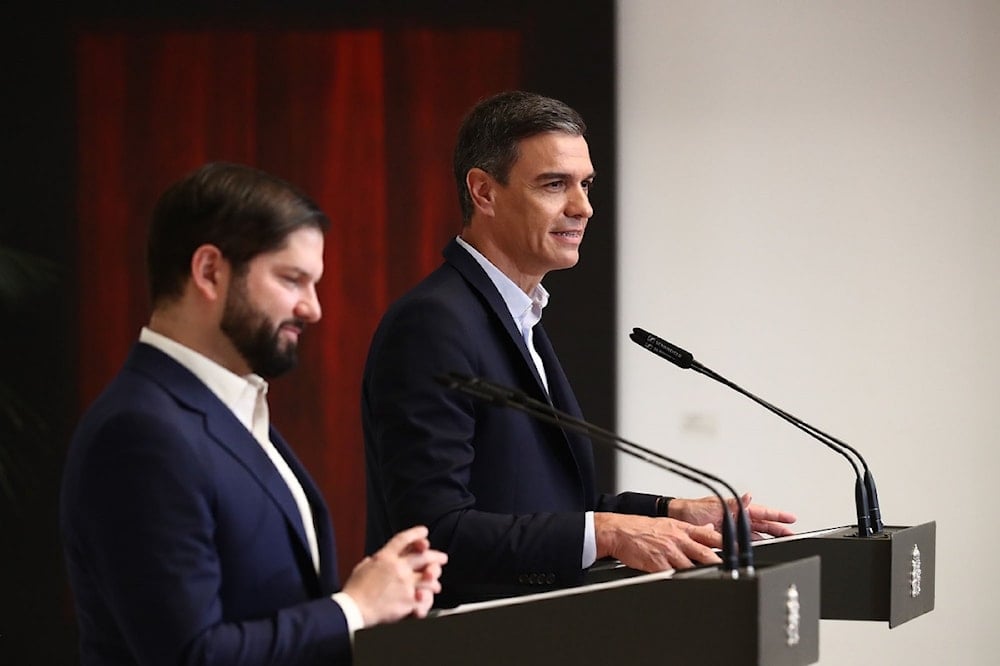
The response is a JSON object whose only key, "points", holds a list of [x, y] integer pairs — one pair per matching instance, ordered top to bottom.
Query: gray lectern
{"points": [[889, 576], [696, 616]]}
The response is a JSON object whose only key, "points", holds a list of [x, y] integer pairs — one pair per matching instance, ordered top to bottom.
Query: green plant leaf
{"points": [[22, 275]]}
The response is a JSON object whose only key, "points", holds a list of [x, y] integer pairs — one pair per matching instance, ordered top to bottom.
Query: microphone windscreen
{"points": [[662, 348]]}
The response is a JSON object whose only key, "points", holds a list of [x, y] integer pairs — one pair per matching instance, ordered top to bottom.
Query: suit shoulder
{"points": [[442, 297], [134, 410]]}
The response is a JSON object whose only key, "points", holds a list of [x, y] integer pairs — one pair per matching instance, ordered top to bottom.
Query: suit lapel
{"points": [[474, 274], [560, 394], [564, 399], [222, 426], [321, 517]]}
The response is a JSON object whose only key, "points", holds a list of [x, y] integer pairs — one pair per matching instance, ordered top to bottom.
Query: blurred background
{"points": [[357, 103]]}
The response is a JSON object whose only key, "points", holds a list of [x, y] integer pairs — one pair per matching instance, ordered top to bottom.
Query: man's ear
{"points": [[482, 188], [210, 272]]}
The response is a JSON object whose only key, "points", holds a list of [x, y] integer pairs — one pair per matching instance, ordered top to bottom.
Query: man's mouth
{"points": [[293, 327]]}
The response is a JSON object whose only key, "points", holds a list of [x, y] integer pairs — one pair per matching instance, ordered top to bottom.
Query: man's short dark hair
{"points": [[490, 133], [242, 211]]}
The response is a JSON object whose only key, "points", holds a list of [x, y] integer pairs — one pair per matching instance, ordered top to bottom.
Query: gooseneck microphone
{"points": [[865, 495], [737, 552]]}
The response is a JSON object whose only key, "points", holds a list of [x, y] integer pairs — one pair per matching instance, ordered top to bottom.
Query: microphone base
{"points": [[888, 577]]}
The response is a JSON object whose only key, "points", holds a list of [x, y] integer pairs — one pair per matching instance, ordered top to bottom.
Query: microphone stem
{"points": [[866, 501]]}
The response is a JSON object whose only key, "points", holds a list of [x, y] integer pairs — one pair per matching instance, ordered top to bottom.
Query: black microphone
{"points": [[504, 396], [865, 495]]}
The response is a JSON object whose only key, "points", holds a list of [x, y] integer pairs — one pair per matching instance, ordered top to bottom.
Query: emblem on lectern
{"points": [[915, 572], [792, 615]]}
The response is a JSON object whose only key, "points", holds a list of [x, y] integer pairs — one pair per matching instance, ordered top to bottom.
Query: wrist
{"points": [[663, 506], [605, 534], [352, 612]]}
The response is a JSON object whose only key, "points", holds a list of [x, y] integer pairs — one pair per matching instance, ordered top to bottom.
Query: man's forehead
{"points": [[555, 152], [304, 244]]}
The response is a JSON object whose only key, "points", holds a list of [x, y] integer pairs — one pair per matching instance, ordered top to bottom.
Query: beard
{"points": [[255, 336]]}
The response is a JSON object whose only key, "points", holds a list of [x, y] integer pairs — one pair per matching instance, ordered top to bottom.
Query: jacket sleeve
{"points": [[639, 504]]}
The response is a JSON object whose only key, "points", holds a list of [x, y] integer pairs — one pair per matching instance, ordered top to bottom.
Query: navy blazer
{"points": [[503, 494], [182, 541]]}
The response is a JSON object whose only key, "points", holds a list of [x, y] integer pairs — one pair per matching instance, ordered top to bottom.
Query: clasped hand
{"points": [[399, 580]]}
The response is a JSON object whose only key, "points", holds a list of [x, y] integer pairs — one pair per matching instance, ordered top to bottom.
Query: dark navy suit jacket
{"points": [[503, 494], [183, 543]]}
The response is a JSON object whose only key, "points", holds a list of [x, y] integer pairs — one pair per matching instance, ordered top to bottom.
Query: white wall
{"points": [[810, 202]]}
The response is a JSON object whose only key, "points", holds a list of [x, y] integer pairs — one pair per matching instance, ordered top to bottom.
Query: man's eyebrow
{"points": [[562, 175], [297, 271]]}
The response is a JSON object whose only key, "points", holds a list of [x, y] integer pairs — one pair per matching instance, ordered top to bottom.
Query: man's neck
{"points": [[486, 247], [195, 333]]}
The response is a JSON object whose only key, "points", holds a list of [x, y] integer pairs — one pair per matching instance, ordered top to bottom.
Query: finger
{"points": [[731, 504], [763, 513], [774, 529], [706, 535], [401, 541], [700, 544], [417, 546], [697, 552], [704, 555], [418, 561], [678, 561], [430, 573], [428, 583], [429, 586], [424, 600]]}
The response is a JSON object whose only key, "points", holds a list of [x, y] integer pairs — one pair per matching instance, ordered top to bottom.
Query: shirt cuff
{"points": [[589, 540], [351, 612]]}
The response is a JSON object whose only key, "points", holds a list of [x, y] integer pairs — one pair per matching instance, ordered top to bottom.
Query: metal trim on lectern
{"points": [[695, 616]]}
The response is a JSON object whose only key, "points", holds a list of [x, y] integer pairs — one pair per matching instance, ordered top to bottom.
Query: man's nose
{"points": [[579, 204], [308, 308]]}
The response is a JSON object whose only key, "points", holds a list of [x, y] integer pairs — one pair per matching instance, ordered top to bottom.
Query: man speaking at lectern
{"points": [[510, 499], [193, 535]]}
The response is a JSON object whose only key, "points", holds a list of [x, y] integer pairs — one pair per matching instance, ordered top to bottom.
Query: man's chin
{"points": [[566, 260], [277, 363], [274, 370]]}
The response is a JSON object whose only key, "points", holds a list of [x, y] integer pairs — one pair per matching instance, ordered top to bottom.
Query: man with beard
{"points": [[192, 533]]}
